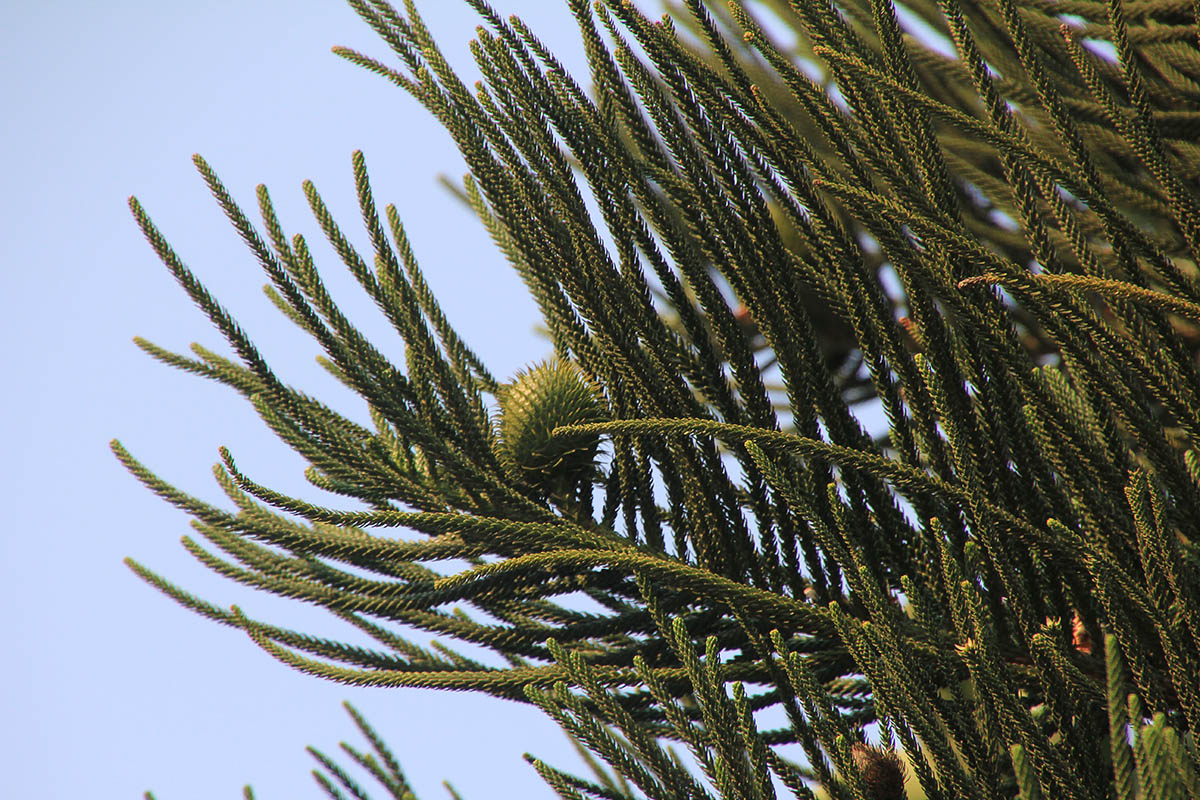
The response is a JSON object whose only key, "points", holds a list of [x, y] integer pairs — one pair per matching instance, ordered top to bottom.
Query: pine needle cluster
{"points": [[875, 404]]}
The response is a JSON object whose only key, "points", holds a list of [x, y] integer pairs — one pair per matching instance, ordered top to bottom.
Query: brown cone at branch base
{"points": [[1080, 638], [882, 772]]}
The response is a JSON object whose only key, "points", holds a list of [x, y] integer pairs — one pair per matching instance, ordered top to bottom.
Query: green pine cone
{"points": [[544, 397]]}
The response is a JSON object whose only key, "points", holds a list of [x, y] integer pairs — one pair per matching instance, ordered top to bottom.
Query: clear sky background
{"points": [[109, 688]]}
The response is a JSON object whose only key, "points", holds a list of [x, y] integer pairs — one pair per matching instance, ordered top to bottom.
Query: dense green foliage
{"points": [[843, 475]]}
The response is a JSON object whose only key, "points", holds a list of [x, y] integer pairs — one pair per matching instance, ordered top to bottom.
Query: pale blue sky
{"points": [[108, 687]]}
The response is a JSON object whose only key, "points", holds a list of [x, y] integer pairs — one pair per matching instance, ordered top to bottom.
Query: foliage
{"points": [[1002, 587]]}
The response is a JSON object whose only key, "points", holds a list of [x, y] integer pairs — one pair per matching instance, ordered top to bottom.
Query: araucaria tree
{"points": [[986, 587]]}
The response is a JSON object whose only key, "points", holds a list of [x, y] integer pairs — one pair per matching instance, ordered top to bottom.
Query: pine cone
{"points": [[544, 397], [1080, 638], [882, 772]]}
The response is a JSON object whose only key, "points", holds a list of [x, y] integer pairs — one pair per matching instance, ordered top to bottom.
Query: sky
{"points": [[109, 688]]}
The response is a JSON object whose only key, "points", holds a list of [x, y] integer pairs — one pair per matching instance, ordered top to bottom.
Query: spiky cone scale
{"points": [[543, 397]]}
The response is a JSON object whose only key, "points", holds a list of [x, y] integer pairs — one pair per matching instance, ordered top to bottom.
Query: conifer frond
{"points": [[987, 233]]}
